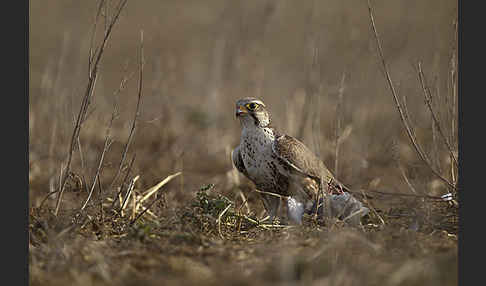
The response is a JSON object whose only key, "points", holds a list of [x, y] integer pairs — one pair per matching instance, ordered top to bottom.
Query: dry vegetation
{"points": [[130, 178]]}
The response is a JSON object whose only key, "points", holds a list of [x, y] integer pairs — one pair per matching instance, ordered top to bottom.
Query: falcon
{"points": [[281, 166]]}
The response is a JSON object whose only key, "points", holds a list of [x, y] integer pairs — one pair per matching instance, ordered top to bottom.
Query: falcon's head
{"points": [[252, 112]]}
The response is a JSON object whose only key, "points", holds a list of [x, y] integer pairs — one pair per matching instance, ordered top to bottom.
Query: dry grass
{"points": [[151, 196], [208, 243]]}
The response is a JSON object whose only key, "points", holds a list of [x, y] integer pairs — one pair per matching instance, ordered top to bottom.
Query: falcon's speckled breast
{"points": [[260, 162]]}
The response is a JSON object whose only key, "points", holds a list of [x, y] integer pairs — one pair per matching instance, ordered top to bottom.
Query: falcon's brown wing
{"points": [[301, 159]]}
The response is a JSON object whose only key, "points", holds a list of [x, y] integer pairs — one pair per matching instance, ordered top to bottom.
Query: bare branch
{"points": [[93, 37], [92, 77], [137, 112], [433, 113], [410, 133], [106, 146], [404, 176], [123, 182], [128, 194], [438, 198]]}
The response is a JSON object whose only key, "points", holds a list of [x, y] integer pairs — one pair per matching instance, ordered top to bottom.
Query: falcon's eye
{"points": [[252, 106]]}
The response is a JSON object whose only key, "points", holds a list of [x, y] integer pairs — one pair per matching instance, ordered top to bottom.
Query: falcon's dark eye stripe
{"points": [[252, 106]]}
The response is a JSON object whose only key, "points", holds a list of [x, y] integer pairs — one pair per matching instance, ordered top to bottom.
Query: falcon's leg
{"points": [[272, 204]]}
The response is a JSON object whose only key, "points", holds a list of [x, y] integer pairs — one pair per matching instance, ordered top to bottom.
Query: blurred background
{"points": [[314, 63]]}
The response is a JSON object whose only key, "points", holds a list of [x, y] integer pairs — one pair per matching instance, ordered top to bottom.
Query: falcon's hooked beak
{"points": [[241, 110]]}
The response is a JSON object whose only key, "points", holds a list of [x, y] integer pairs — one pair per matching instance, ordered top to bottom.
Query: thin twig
{"points": [[93, 37], [312, 70], [92, 78], [453, 82], [432, 112], [137, 113], [316, 122], [134, 124], [410, 133], [106, 146], [83, 166], [402, 171], [55, 191], [129, 192], [118, 194], [273, 194], [402, 195], [100, 198], [244, 203], [372, 208], [145, 210], [360, 211], [219, 220]]}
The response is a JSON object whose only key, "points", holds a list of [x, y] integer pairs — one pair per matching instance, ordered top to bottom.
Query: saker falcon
{"points": [[280, 164]]}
